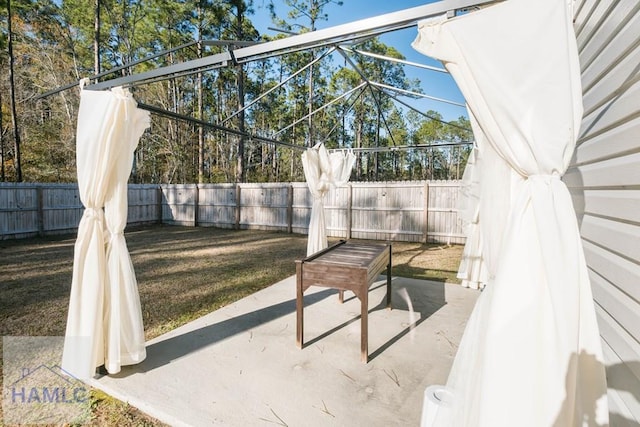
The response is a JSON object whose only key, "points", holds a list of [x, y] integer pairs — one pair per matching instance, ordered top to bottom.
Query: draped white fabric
{"points": [[323, 170], [490, 179], [471, 272], [104, 323], [531, 352]]}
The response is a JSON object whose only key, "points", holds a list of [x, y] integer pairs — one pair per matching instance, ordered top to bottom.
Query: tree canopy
{"points": [[57, 42]]}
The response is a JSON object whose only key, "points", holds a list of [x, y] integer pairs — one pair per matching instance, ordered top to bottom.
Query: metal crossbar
{"points": [[333, 35]]}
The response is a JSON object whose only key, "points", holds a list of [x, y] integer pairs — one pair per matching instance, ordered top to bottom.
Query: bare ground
{"points": [[183, 273]]}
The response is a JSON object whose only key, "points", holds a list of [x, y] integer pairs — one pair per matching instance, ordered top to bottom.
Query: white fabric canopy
{"points": [[323, 170], [104, 323], [531, 352]]}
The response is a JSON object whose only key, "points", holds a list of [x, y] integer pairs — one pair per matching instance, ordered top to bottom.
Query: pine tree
{"points": [[12, 89]]}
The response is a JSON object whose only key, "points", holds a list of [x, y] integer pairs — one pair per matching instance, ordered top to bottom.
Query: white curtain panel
{"points": [[323, 170], [471, 272], [104, 322], [531, 352]]}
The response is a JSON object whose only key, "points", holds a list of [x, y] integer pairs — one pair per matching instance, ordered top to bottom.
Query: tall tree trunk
{"points": [[313, 6], [96, 37], [200, 101], [16, 130], [200, 131], [311, 141], [358, 145], [376, 154], [431, 157], [274, 163], [291, 164], [240, 171], [2, 177]]}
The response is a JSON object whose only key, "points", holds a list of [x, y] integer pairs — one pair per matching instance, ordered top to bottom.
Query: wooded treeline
{"points": [[56, 42]]}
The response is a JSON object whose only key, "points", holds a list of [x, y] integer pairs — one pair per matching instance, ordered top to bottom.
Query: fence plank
{"points": [[145, 204], [178, 204], [217, 205], [404, 211]]}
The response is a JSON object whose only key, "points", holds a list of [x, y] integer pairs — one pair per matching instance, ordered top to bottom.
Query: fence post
{"points": [[159, 203], [238, 205], [196, 206], [40, 208], [290, 208], [349, 210], [426, 212]]}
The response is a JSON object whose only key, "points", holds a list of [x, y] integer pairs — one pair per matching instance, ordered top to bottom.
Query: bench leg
{"points": [[389, 281], [299, 311], [364, 327]]}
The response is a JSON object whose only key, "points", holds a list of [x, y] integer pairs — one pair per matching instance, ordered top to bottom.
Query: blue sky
{"points": [[433, 83]]}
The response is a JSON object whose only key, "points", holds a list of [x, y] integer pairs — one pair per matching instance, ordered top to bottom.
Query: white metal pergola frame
{"points": [[329, 36], [336, 38]]}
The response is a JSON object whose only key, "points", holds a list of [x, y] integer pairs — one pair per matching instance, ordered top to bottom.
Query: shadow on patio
{"points": [[239, 365]]}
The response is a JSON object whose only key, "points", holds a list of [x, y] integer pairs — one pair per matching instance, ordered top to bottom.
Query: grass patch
{"points": [[183, 273], [107, 411]]}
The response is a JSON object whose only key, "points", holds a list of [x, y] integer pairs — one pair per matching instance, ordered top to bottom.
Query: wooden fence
{"points": [[402, 211]]}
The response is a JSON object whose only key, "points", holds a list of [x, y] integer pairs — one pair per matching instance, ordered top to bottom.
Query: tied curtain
{"points": [[323, 170], [486, 177], [472, 271], [104, 322], [531, 353]]}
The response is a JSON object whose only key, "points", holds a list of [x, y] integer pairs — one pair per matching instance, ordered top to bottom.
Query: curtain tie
{"points": [[546, 178], [94, 213], [113, 235]]}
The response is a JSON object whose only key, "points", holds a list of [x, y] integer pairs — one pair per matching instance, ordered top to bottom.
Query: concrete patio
{"points": [[239, 366]]}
